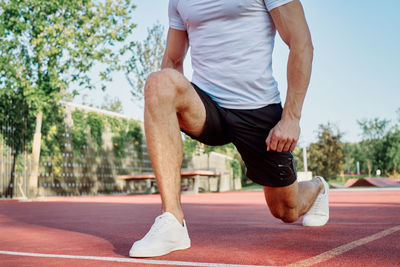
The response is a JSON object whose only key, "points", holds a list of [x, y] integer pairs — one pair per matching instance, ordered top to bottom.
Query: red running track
{"points": [[230, 228]]}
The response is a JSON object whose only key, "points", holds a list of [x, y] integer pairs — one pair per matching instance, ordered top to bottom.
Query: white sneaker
{"points": [[318, 214], [166, 235]]}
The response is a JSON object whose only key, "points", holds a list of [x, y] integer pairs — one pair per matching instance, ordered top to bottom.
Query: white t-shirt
{"points": [[231, 45]]}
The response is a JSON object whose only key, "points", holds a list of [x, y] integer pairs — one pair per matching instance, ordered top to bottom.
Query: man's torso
{"points": [[231, 47]]}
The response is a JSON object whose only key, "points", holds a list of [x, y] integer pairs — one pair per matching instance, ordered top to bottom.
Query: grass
{"points": [[343, 179], [338, 180], [252, 186]]}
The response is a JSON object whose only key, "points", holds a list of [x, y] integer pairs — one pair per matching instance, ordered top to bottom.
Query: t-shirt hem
{"points": [[276, 4], [177, 27], [248, 106]]}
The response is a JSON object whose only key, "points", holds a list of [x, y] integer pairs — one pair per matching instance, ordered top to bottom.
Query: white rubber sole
{"points": [[157, 254]]}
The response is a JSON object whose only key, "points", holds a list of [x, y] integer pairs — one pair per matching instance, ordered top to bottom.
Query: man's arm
{"points": [[292, 26], [175, 51]]}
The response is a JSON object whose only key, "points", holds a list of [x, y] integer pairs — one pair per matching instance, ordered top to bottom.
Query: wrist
{"points": [[292, 116]]}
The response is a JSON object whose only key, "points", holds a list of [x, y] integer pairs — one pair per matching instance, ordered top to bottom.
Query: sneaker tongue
{"points": [[166, 215]]}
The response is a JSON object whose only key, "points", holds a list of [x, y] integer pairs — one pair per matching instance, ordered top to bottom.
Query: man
{"points": [[233, 97]]}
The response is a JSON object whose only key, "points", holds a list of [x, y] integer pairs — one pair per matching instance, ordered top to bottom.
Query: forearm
{"points": [[169, 63], [298, 75]]}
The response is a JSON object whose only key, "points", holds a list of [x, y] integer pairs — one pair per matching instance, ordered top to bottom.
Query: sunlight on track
{"points": [[344, 248]]}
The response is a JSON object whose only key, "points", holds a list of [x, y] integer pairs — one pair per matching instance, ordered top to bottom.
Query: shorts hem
{"points": [[273, 182]]}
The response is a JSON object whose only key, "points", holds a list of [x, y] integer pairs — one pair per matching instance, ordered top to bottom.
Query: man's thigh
{"points": [[215, 130]]}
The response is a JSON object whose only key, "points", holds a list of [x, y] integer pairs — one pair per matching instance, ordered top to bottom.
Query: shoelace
{"points": [[316, 206], [159, 224]]}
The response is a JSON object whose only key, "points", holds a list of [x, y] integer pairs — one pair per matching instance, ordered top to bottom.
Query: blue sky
{"points": [[356, 69]]}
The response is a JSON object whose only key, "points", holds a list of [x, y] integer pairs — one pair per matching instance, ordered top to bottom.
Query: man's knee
{"points": [[161, 87], [157, 89], [287, 213]]}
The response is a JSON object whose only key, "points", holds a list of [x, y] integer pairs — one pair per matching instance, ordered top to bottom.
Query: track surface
{"points": [[230, 228]]}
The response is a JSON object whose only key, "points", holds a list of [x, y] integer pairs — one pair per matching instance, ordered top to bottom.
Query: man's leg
{"points": [[170, 103], [290, 202]]}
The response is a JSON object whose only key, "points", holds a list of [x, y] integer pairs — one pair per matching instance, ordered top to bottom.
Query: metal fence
{"points": [[15, 167], [66, 173]]}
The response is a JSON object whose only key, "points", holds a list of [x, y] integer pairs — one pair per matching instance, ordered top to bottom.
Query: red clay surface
{"points": [[230, 228]]}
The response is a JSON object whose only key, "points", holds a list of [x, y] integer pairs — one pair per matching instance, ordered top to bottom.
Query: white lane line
{"points": [[344, 248], [116, 259]]}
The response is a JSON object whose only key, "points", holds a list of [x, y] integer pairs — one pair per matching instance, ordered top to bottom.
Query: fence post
{"points": [[33, 178]]}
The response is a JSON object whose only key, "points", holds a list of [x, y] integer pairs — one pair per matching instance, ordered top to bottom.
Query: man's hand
{"points": [[284, 136]]}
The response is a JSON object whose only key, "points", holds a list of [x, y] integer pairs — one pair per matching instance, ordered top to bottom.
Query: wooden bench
{"points": [[194, 175]]}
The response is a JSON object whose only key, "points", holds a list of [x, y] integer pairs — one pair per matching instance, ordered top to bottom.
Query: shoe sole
{"points": [[316, 225], [148, 255]]}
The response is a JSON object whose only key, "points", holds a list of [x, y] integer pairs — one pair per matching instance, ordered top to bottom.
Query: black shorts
{"points": [[248, 130]]}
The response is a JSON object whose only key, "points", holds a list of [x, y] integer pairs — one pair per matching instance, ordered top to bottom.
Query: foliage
{"points": [[48, 45], [146, 58], [112, 104], [398, 115], [15, 120], [96, 125], [15, 126], [373, 129], [78, 131], [124, 132], [132, 135], [135, 135], [54, 140], [375, 144], [190, 146], [392, 147], [379, 149], [384, 152], [353, 153], [326, 155], [298, 158], [236, 168], [251, 186]]}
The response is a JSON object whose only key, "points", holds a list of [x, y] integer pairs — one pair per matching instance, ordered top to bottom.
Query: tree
{"points": [[48, 45], [146, 58], [112, 104], [398, 115], [15, 126], [373, 131], [391, 145], [378, 149], [353, 153], [326, 155], [298, 158]]}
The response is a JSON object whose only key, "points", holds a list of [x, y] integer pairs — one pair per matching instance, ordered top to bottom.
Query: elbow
{"points": [[303, 47], [310, 47], [174, 63], [178, 63]]}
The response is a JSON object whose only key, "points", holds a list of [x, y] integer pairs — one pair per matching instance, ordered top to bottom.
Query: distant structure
{"points": [[90, 169]]}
